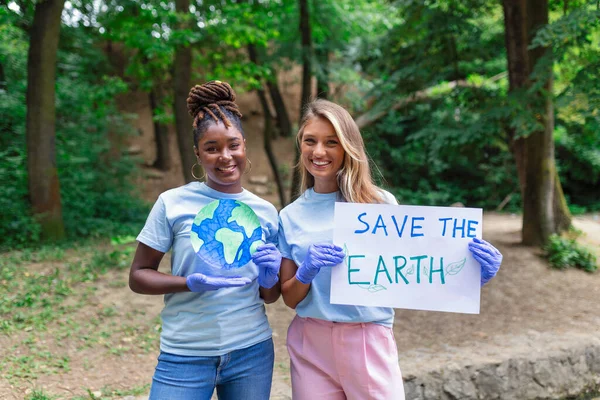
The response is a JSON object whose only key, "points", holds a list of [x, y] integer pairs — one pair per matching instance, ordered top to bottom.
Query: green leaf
{"points": [[455, 267], [373, 288], [376, 288]]}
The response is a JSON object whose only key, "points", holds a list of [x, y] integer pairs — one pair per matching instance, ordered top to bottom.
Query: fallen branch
{"points": [[380, 110], [504, 202]]}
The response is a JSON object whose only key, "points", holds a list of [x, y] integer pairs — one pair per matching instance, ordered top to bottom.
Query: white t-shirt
{"points": [[309, 220], [215, 322]]}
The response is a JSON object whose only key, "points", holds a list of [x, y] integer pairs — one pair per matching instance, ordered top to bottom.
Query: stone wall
{"points": [[555, 375]]}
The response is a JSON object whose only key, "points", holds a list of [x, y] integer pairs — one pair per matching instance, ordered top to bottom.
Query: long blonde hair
{"points": [[354, 177]]}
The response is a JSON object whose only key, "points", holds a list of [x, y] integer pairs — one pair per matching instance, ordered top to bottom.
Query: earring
{"points": [[248, 162], [195, 177]]}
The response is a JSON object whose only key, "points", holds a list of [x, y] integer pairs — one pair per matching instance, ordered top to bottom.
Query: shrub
{"points": [[566, 252]]}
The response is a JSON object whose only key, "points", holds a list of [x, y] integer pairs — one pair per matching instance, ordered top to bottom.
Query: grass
{"points": [[33, 298], [51, 312], [108, 393], [104, 394], [589, 394]]}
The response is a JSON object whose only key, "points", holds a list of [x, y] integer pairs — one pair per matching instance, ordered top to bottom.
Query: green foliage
{"points": [[575, 40], [451, 145], [447, 146], [444, 152], [97, 196], [566, 252], [39, 395]]}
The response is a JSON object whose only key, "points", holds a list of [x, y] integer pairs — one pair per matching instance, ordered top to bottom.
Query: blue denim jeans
{"points": [[241, 374]]}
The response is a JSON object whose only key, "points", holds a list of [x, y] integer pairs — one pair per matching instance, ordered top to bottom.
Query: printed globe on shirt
{"points": [[225, 234]]}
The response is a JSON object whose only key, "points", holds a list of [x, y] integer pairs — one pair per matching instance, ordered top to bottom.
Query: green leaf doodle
{"points": [[346, 255], [455, 267], [410, 270], [425, 271], [373, 288]]}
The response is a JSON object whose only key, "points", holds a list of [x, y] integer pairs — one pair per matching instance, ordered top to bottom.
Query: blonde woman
{"points": [[337, 351]]}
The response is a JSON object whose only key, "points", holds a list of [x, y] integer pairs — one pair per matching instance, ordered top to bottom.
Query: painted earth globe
{"points": [[225, 234]]}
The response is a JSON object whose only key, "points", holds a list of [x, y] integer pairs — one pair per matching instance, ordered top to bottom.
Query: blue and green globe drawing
{"points": [[225, 234]]}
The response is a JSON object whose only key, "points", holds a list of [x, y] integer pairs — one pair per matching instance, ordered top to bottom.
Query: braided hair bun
{"points": [[211, 99]]}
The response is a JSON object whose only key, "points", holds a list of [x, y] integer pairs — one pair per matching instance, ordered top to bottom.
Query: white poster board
{"points": [[412, 257]]}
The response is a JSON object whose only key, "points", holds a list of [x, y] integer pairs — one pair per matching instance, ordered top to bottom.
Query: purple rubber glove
{"points": [[487, 256], [317, 257], [268, 260], [201, 283]]}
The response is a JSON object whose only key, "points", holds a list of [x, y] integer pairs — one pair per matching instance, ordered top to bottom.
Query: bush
{"points": [[565, 252]]}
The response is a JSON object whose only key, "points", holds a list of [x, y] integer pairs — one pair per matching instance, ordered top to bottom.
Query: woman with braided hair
{"points": [[215, 333]]}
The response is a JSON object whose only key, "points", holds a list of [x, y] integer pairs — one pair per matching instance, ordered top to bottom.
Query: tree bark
{"points": [[305, 33], [322, 56], [182, 71], [2, 78], [283, 118], [268, 131], [161, 135], [267, 144], [44, 186], [544, 206]]}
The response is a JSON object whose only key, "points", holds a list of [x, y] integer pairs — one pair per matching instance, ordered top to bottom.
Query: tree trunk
{"points": [[305, 33], [322, 56], [182, 71], [2, 78], [283, 118], [268, 132], [161, 135], [267, 138], [44, 187], [544, 206], [562, 214]]}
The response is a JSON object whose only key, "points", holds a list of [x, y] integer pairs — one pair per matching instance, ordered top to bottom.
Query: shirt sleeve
{"points": [[388, 198], [272, 229], [157, 232], [282, 245]]}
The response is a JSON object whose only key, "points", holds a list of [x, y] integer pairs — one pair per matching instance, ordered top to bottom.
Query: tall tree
{"points": [[143, 29], [305, 33], [307, 54], [322, 55], [182, 71], [530, 74], [283, 118], [268, 129], [161, 132], [44, 187]]}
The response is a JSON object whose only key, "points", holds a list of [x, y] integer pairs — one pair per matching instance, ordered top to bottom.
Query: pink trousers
{"points": [[336, 360]]}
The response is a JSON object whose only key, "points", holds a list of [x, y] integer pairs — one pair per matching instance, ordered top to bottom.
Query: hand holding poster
{"points": [[411, 257]]}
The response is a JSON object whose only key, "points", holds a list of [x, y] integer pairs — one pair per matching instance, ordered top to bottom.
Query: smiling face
{"points": [[222, 153], [322, 154]]}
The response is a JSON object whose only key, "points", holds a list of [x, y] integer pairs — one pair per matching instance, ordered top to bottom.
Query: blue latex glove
{"points": [[487, 256], [317, 257], [268, 260], [201, 283]]}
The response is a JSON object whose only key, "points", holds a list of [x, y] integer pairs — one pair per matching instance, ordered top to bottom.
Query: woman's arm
{"points": [[144, 277], [292, 290], [270, 295]]}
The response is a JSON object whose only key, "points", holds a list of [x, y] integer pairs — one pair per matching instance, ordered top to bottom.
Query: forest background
{"points": [[459, 101], [492, 104]]}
